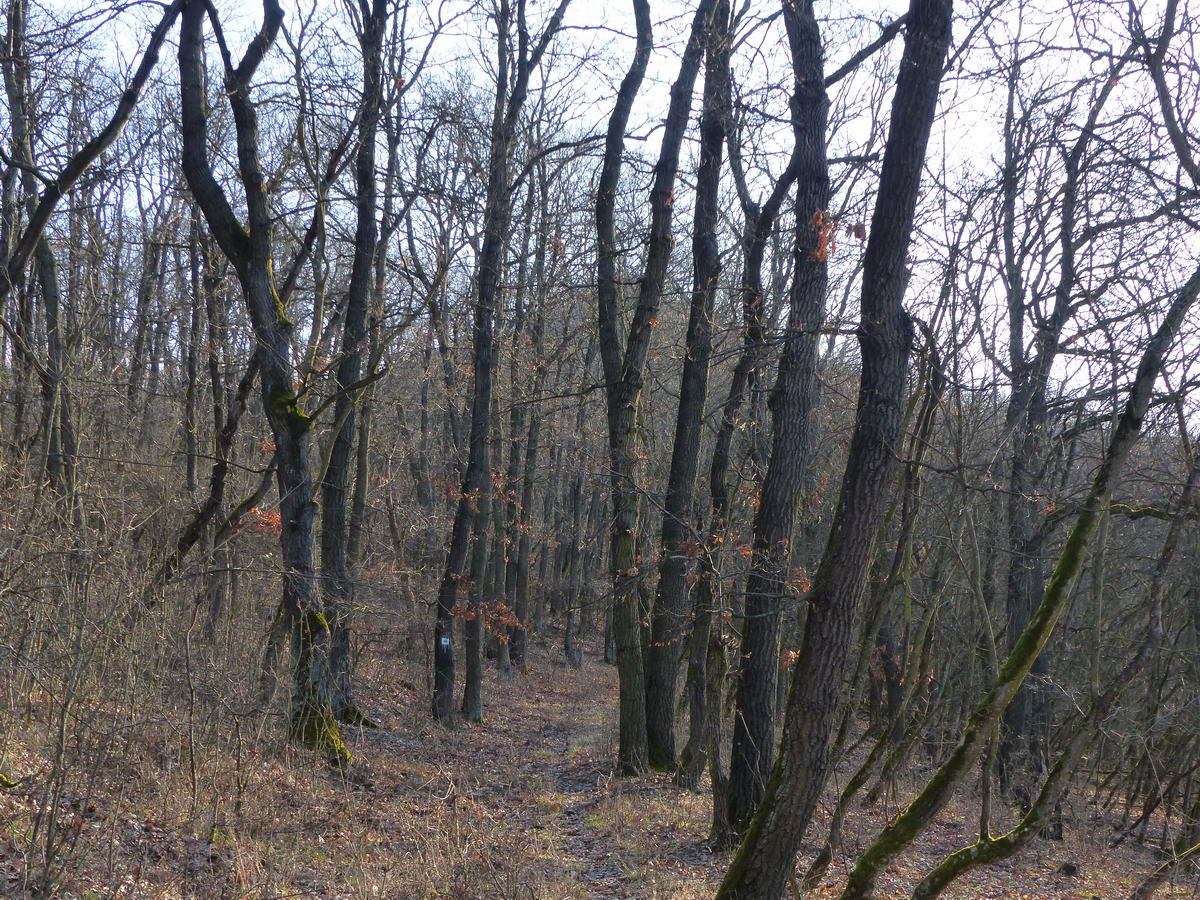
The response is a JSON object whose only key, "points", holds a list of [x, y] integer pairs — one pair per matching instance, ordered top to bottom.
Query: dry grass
{"points": [[146, 769]]}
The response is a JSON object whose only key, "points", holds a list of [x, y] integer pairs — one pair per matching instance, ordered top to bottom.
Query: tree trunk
{"points": [[497, 214], [249, 248], [625, 362], [793, 402], [57, 421], [336, 580], [668, 623], [474, 628], [1026, 720], [900, 834], [988, 850], [764, 863]]}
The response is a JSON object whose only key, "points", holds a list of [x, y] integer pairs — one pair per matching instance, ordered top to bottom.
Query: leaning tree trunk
{"points": [[758, 229], [793, 401], [905, 829], [988, 850], [764, 863]]}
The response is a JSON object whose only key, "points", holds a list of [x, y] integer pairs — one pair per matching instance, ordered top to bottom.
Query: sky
{"points": [[597, 44]]}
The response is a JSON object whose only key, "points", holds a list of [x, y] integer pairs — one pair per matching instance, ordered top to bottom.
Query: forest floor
{"points": [[524, 805]]}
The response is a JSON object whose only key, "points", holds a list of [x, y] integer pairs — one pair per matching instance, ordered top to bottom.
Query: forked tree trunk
{"points": [[759, 229], [249, 249], [625, 360], [793, 402], [336, 580], [621, 640]]}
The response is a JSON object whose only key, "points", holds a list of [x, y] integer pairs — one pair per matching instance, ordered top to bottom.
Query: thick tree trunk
{"points": [[249, 248], [625, 361], [793, 402], [474, 628], [621, 642], [702, 680], [764, 863]]}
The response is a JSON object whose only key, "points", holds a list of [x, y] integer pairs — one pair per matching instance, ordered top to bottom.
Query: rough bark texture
{"points": [[249, 249], [624, 361], [624, 366], [793, 401], [668, 623], [705, 641], [764, 863]]}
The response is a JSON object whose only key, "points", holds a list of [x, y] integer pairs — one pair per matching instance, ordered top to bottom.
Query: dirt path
{"points": [[523, 806], [581, 833]]}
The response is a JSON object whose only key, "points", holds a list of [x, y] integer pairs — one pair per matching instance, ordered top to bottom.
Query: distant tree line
{"points": [[834, 375]]}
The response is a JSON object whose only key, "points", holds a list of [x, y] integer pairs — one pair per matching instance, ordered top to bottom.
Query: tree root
{"points": [[352, 715]]}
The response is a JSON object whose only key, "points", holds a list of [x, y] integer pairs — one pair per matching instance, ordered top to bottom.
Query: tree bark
{"points": [[497, 214], [249, 248], [625, 361], [793, 402], [336, 580], [668, 623], [621, 634], [765, 861]]}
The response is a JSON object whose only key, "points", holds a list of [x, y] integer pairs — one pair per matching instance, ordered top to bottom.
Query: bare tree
{"points": [[512, 89], [249, 249], [764, 861]]}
